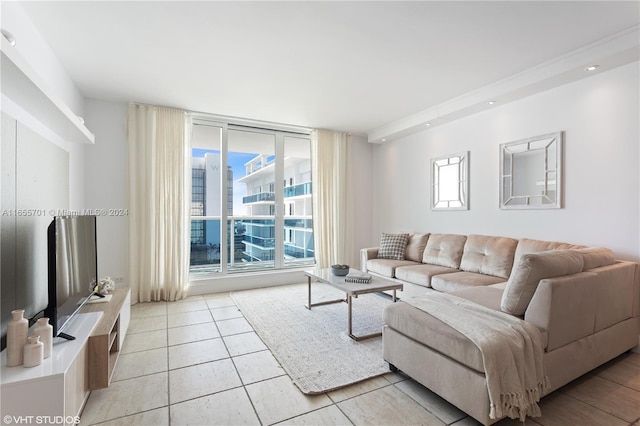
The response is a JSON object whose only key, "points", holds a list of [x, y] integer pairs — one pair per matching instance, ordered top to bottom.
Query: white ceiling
{"points": [[351, 66]]}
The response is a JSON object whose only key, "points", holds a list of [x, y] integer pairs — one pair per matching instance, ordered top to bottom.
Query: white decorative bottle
{"points": [[17, 331], [45, 331], [33, 352]]}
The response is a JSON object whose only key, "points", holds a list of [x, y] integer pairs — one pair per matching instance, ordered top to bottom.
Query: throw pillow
{"points": [[392, 246]]}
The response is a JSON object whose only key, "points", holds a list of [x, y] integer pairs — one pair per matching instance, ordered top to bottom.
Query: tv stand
{"points": [[107, 338], [60, 385], [56, 387]]}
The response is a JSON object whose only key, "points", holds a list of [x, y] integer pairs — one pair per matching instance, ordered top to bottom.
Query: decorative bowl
{"points": [[340, 270]]}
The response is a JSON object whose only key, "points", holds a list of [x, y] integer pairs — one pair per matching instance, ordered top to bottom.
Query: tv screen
{"points": [[73, 266]]}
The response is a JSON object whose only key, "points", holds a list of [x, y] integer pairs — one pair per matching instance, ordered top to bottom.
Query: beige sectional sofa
{"points": [[585, 303]]}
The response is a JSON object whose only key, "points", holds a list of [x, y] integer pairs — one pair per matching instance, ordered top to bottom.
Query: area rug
{"points": [[313, 346]]}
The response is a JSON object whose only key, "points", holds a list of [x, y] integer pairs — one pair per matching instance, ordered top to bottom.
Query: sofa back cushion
{"points": [[526, 245], [392, 246], [415, 247], [444, 250], [489, 255], [595, 257], [532, 268]]}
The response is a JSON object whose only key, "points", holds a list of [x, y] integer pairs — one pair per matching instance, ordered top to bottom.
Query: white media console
{"points": [[55, 391]]}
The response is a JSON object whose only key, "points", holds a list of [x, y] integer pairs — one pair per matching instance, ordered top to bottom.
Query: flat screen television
{"points": [[73, 268]]}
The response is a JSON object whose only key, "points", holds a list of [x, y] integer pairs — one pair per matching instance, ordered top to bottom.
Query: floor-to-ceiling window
{"points": [[263, 179]]}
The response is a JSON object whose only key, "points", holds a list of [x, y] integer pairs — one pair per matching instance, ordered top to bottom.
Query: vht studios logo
{"points": [[40, 420]]}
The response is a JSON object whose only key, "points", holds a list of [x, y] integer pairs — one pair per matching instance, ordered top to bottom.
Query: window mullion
{"points": [[279, 193], [224, 216]]}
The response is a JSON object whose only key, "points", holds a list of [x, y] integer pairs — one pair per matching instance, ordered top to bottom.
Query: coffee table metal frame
{"points": [[351, 290]]}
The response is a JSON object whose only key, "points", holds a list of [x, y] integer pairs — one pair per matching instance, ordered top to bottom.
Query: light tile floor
{"points": [[199, 362]]}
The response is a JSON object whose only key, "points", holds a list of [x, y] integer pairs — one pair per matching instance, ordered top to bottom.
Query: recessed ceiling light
{"points": [[9, 37], [592, 67], [491, 102], [428, 124], [384, 140]]}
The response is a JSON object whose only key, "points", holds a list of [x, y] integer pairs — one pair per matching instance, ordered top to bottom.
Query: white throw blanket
{"points": [[512, 352]]}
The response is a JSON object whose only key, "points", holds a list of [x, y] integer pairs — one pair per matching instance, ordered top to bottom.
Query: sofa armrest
{"points": [[366, 254], [617, 294], [565, 307]]}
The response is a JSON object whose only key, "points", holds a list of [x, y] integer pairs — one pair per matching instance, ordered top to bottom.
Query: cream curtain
{"points": [[332, 198], [159, 202]]}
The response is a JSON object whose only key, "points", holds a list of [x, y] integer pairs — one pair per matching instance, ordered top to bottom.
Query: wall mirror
{"points": [[531, 173], [450, 182]]}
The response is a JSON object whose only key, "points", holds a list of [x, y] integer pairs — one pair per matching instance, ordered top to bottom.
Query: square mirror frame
{"points": [[541, 157], [450, 182]]}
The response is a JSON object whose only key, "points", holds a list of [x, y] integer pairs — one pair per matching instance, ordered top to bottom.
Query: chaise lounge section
{"points": [[585, 304]]}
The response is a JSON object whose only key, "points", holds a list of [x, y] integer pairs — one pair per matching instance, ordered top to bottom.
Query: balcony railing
{"points": [[259, 163], [297, 190], [260, 197], [300, 223], [262, 242], [250, 244], [297, 252]]}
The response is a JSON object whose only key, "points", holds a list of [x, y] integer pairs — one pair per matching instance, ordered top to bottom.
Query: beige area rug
{"points": [[313, 346]]}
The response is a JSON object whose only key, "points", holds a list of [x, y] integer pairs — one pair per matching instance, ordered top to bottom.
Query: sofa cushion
{"points": [[526, 245], [392, 246], [415, 247], [444, 250], [489, 255], [595, 257], [386, 267], [532, 268], [421, 274], [455, 281], [488, 296], [423, 328]]}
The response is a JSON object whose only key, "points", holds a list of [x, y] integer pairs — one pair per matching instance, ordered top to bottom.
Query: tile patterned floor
{"points": [[199, 362]]}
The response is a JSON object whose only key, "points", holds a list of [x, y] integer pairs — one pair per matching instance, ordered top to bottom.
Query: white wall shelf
{"points": [[24, 86]]}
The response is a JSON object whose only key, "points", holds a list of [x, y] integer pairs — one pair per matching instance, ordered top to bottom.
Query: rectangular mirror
{"points": [[531, 173], [450, 182]]}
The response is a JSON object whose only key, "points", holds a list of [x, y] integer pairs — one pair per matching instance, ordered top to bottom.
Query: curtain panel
{"points": [[332, 198], [159, 202]]}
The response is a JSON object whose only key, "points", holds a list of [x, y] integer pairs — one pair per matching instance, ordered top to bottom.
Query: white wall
{"points": [[35, 51], [600, 118], [48, 170], [106, 185], [362, 194]]}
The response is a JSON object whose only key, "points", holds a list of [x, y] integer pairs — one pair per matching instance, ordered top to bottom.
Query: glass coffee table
{"points": [[351, 290]]}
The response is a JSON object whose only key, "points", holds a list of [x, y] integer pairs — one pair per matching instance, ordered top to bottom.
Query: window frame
{"points": [[280, 132]]}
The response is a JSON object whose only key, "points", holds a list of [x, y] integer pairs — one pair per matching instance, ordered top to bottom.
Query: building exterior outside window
{"points": [[261, 200], [205, 201], [267, 223]]}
